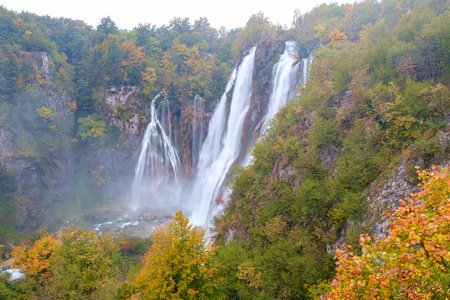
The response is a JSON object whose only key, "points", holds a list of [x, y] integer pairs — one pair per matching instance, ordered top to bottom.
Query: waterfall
{"points": [[305, 64], [285, 79], [284, 82], [197, 128], [212, 145], [222, 147], [157, 169], [156, 180]]}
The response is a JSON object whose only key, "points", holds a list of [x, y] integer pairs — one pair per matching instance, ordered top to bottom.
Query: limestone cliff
{"points": [[36, 130]]}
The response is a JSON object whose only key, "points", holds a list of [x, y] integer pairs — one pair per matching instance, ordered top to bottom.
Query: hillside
{"points": [[75, 102], [375, 106]]}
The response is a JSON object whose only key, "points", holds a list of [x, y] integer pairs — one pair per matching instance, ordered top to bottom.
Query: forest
{"points": [[347, 195]]}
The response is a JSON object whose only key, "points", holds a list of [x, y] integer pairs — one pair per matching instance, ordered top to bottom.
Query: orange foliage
{"points": [[337, 36], [36, 261], [413, 262]]}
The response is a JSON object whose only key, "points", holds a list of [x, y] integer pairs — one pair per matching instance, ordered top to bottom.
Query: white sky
{"points": [[128, 14]]}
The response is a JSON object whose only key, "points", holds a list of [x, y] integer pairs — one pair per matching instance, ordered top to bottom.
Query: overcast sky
{"points": [[128, 14]]}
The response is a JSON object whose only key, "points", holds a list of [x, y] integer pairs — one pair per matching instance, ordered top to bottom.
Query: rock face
{"points": [[266, 57], [40, 58], [121, 109], [39, 153], [46, 155], [114, 161], [384, 194]]}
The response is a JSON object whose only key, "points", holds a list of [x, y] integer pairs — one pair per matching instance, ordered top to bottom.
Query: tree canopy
{"points": [[179, 265]]}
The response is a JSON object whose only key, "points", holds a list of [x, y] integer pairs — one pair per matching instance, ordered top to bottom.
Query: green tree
{"points": [[106, 27], [257, 30], [112, 60], [75, 264], [84, 264], [179, 265], [9, 290]]}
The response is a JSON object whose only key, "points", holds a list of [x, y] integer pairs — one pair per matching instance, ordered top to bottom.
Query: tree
{"points": [[106, 27], [257, 30], [112, 60], [132, 63], [46, 113], [92, 126], [36, 260], [413, 261], [75, 264], [84, 264], [179, 265], [9, 290]]}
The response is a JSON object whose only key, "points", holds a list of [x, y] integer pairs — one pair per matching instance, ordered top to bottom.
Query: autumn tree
{"points": [[257, 30], [132, 63], [46, 113], [91, 126], [35, 259], [413, 261], [75, 264], [179, 265]]}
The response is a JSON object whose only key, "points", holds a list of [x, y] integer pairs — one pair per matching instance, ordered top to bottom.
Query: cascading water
{"points": [[305, 63], [285, 79], [284, 82], [197, 128], [212, 145], [218, 154], [156, 174], [156, 181]]}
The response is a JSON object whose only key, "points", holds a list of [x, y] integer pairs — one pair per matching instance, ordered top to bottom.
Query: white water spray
{"points": [[305, 64], [284, 82], [197, 128], [213, 143], [217, 155], [156, 175], [156, 181]]}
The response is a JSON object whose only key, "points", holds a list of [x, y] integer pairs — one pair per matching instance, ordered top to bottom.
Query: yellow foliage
{"points": [[39, 78], [20, 83], [73, 105], [46, 113], [91, 126], [96, 178], [36, 261], [413, 261], [179, 264], [249, 276]]}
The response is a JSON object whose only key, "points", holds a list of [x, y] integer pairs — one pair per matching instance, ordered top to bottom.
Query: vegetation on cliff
{"points": [[56, 76], [377, 94], [410, 263]]}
